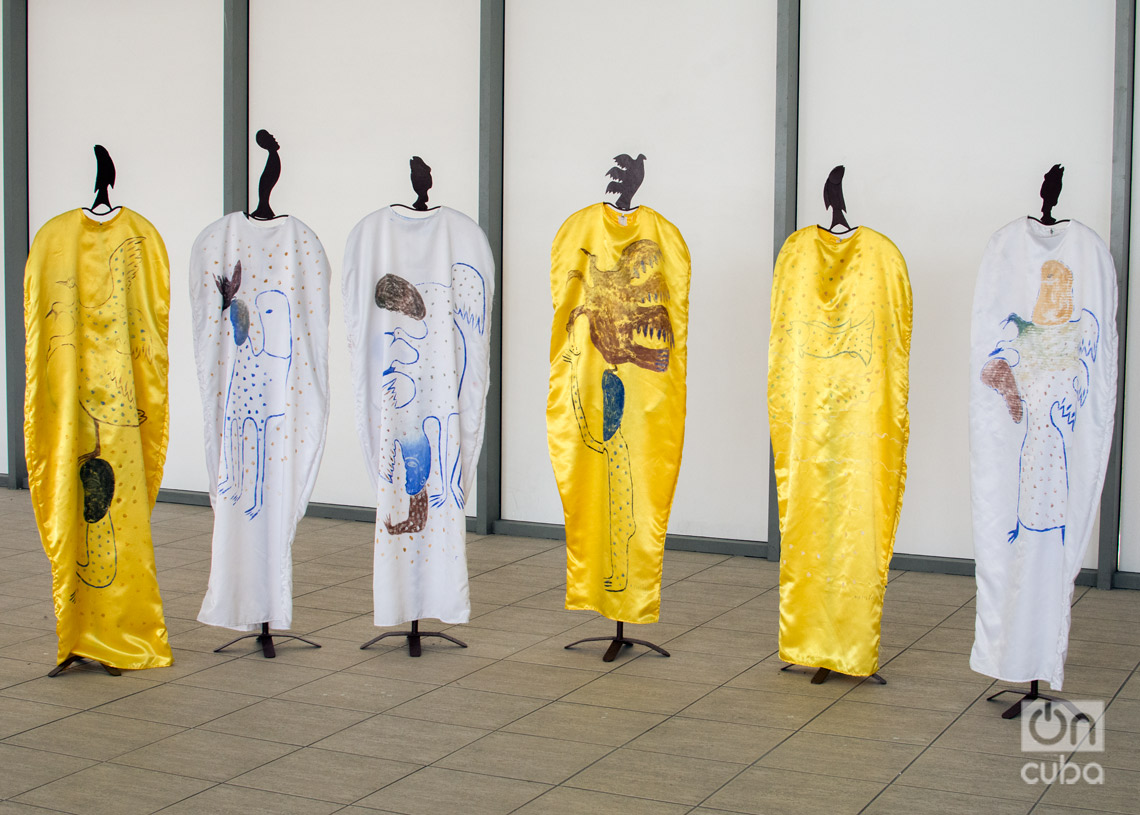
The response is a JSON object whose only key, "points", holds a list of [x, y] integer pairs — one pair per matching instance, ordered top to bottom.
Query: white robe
{"points": [[417, 303], [263, 373], [1038, 457]]}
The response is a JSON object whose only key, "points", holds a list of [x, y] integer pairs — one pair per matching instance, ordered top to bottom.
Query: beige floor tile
{"points": [[726, 575], [539, 578], [920, 587], [496, 592], [712, 595], [336, 598], [676, 612], [924, 614], [38, 616], [530, 620], [1101, 629], [359, 630], [14, 634], [706, 640], [953, 640], [493, 643], [41, 650], [1102, 654], [333, 655], [187, 662], [933, 664], [434, 666], [687, 666], [15, 671], [260, 676], [527, 679], [1081, 680], [78, 688], [1131, 689], [354, 691], [920, 692], [642, 693], [182, 705], [743, 706], [467, 707], [1123, 714], [18, 715], [286, 722], [586, 723], [902, 725], [983, 734], [93, 735], [401, 739], [718, 741], [205, 755], [842, 756], [528, 758], [25, 768], [969, 772], [325, 775], [659, 776], [114, 789], [772, 790], [434, 791], [1116, 794], [225, 799], [899, 800], [570, 801]]}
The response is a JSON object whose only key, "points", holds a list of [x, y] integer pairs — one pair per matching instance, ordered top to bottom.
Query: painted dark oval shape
{"points": [[396, 294], [613, 396], [98, 480]]}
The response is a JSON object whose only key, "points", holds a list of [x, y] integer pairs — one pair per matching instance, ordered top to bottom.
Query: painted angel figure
{"points": [[1042, 372]]}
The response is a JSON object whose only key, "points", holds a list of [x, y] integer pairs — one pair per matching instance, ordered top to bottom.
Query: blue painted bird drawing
{"points": [[257, 389]]}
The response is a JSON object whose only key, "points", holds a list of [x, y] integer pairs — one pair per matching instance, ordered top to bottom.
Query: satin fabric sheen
{"points": [[96, 304], [1045, 315], [837, 406], [617, 492]]}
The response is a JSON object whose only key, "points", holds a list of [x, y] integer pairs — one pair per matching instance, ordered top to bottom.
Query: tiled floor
{"points": [[516, 723]]}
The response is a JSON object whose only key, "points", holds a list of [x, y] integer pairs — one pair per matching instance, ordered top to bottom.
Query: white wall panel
{"points": [[144, 80], [690, 85], [352, 90], [946, 118]]}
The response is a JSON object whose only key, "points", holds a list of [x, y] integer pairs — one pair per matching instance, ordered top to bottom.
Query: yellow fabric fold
{"points": [[96, 306], [837, 405], [615, 411]]}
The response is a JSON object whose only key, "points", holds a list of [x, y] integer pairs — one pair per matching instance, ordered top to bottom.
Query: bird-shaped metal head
{"points": [[627, 174]]}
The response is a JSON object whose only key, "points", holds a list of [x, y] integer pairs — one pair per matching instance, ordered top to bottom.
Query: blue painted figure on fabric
{"points": [[1043, 374], [422, 385], [257, 389]]}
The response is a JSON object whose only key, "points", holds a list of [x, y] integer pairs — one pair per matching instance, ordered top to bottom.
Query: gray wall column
{"points": [[492, 16], [235, 108], [787, 164], [15, 227], [1119, 244]]}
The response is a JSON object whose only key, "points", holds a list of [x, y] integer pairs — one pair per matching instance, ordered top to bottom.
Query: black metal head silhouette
{"points": [[269, 175], [627, 175], [104, 176], [421, 182], [1050, 192], [833, 196]]}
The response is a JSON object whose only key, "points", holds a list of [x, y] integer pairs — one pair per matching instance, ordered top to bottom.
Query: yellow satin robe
{"points": [[96, 304], [837, 405], [615, 414]]}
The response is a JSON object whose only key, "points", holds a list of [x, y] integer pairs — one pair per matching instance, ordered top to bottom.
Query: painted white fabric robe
{"points": [[259, 292], [417, 303], [1042, 397]]}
